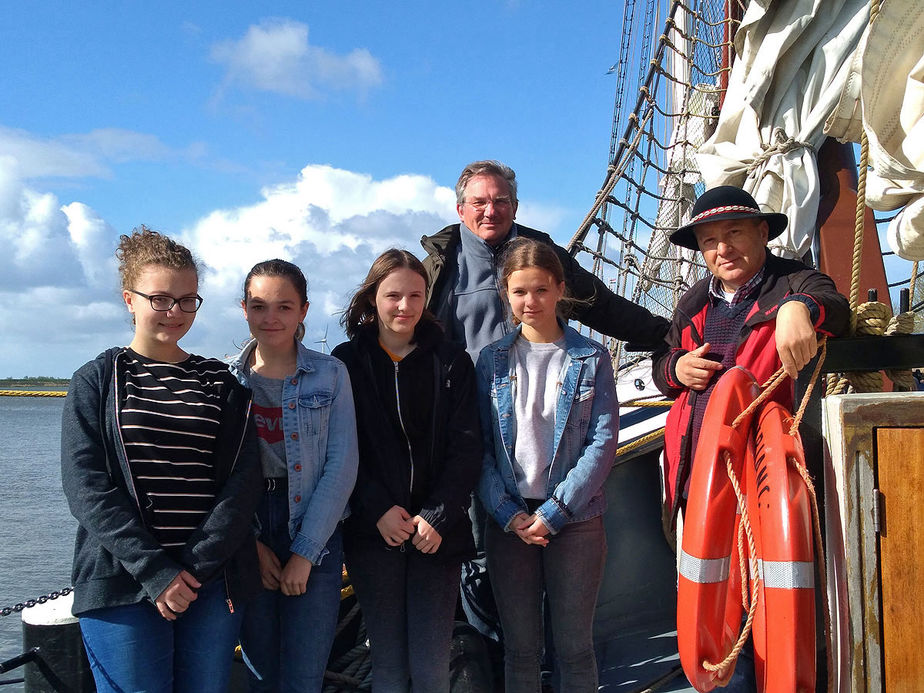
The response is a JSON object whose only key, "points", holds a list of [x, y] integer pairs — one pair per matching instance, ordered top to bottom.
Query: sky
{"points": [[322, 133]]}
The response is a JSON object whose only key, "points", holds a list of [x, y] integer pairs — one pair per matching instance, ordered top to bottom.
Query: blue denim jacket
{"points": [[319, 425], [584, 442]]}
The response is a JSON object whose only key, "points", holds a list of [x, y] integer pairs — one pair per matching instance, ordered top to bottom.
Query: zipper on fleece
{"points": [[240, 443], [410, 452], [237, 454], [128, 468], [224, 575]]}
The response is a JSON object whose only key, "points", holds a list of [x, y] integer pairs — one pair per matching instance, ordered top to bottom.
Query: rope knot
{"points": [[779, 144]]}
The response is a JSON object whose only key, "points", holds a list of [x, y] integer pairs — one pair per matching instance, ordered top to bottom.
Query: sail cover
{"points": [[793, 58], [884, 97]]}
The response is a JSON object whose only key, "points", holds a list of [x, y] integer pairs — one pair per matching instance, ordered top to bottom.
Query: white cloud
{"points": [[276, 56], [118, 145], [87, 154], [37, 157], [330, 222], [34, 235], [90, 237], [59, 289]]}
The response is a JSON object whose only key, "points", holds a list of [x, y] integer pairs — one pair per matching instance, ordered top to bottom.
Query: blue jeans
{"points": [[569, 570], [408, 601], [286, 641], [134, 648]]}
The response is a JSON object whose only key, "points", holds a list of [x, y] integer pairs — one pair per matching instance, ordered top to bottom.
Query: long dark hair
{"points": [[361, 310]]}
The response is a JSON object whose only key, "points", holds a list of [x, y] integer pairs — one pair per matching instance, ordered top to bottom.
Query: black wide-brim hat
{"points": [[721, 203]]}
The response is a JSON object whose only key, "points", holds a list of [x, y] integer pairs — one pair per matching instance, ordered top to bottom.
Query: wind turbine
{"points": [[323, 341]]}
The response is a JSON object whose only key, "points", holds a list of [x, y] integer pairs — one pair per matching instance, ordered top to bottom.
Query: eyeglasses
{"points": [[480, 204], [162, 303]]}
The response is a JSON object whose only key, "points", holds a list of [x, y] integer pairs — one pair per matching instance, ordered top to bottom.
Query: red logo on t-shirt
{"points": [[269, 423]]}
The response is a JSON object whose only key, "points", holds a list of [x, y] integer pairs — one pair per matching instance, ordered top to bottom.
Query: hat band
{"points": [[723, 210]]}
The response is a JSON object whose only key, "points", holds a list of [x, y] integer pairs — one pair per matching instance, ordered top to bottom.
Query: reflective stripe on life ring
{"points": [[703, 570], [786, 575]]}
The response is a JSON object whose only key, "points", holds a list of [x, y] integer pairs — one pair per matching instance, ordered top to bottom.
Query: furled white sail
{"points": [[793, 58], [885, 97]]}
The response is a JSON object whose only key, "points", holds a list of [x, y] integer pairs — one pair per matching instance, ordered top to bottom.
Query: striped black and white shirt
{"points": [[169, 420]]}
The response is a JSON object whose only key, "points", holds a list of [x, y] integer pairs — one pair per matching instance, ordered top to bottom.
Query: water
{"points": [[36, 528]]}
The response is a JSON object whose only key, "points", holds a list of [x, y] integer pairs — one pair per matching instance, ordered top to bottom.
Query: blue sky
{"points": [[319, 132]]}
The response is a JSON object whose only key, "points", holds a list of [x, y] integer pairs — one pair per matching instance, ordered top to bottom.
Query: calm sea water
{"points": [[36, 528]]}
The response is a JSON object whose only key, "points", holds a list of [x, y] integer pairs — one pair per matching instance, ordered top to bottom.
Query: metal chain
{"points": [[6, 611]]}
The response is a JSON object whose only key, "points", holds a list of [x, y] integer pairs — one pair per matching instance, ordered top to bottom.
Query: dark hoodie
{"points": [[419, 437], [116, 559]]}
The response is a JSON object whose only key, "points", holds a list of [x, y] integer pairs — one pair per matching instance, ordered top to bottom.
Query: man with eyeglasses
{"points": [[462, 261], [463, 264]]}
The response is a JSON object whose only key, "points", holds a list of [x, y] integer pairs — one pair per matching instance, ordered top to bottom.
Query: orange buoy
{"points": [[780, 510], [708, 619]]}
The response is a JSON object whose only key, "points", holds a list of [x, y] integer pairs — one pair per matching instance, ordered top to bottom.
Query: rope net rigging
{"points": [[678, 79]]}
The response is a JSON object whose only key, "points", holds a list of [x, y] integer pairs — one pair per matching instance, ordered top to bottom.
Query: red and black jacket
{"points": [[784, 280]]}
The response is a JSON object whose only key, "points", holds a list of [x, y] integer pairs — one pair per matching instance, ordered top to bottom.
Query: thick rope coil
{"points": [[872, 318], [875, 318], [903, 323]]}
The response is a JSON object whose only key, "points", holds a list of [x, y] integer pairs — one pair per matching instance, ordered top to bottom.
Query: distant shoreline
{"points": [[6, 383]]}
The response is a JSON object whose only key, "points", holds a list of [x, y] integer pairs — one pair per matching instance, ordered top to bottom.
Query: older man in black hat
{"points": [[757, 310]]}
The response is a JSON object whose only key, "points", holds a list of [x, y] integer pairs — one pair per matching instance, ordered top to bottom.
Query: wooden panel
{"points": [[900, 466]]}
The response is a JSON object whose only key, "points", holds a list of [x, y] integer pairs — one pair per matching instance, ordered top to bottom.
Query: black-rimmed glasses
{"points": [[162, 303]]}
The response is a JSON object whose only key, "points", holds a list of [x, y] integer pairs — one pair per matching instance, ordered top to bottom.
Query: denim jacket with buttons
{"points": [[319, 427], [584, 440]]}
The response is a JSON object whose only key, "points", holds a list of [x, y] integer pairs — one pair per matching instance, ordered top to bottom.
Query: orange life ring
{"points": [[781, 513], [708, 620]]}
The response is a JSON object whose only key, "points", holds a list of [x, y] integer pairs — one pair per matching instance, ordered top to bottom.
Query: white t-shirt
{"points": [[537, 382]]}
